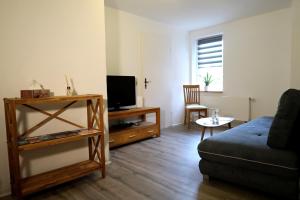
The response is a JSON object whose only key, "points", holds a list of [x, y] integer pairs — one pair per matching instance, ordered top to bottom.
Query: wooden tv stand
{"points": [[144, 129]]}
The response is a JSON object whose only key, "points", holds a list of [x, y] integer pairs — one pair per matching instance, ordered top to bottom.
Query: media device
{"points": [[120, 92]]}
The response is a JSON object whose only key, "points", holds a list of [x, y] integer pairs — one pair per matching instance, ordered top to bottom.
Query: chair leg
{"points": [[205, 113], [184, 116], [189, 119]]}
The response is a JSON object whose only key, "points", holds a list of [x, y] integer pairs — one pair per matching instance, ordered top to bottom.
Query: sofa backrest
{"points": [[284, 131]]}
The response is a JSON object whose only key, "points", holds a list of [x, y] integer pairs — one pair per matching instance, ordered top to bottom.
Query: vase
{"points": [[205, 88]]}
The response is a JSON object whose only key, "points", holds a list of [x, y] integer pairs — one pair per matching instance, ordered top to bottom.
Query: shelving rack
{"points": [[19, 142]]}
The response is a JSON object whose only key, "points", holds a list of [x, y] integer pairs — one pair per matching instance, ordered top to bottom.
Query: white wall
{"points": [[125, 38], [44, 40], [257, 58], [295, 80]]}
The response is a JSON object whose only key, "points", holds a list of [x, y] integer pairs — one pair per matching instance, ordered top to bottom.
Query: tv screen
{"points": [[120, 92]]}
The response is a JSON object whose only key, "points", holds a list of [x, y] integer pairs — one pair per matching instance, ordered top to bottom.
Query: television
{"points": [[120, 92]]}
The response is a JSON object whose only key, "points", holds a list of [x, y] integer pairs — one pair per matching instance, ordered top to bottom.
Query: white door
{"points": [[156, 64]]}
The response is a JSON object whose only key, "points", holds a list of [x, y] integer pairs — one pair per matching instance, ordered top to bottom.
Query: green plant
{"points": [[207, 79]]}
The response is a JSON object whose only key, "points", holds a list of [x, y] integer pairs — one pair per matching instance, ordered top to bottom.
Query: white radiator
{"points": [[237, 107]]}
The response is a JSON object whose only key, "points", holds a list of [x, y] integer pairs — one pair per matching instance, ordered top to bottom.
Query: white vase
{"points": [[205, 88]]}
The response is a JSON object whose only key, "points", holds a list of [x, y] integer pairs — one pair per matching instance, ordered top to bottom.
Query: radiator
{"points": [[237, 107]]}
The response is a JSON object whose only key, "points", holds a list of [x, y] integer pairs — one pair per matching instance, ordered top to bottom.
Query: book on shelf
{"points": [[52, 136]]}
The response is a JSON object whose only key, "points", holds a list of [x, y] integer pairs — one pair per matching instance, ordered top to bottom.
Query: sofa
{"points": [[262, 154]]}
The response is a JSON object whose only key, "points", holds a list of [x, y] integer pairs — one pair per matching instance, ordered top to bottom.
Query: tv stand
{"points": [[118, 109], [122, 125], [143, 129]]}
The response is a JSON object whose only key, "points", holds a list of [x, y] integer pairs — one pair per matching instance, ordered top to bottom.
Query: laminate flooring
{"points": [[163, 168]]}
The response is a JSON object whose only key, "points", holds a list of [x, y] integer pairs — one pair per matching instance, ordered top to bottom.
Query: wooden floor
{"points": [[159, 168]]}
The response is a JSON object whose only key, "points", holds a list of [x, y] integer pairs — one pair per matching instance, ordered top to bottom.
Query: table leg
{"points": [[229, 125], [211, 131], [203, 132]]}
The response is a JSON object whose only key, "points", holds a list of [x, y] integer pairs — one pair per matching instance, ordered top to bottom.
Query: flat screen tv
{"points": [[120, 92]]}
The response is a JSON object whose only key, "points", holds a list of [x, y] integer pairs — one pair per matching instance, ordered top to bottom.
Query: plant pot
{"points": [[205, 88]]}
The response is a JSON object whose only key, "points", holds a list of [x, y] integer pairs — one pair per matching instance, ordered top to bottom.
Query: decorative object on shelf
{"points": [[207, 81], [36, 90], [68, 90], [74, 92], [35, 93], [40, 138]]}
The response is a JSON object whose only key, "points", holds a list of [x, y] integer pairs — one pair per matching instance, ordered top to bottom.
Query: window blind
{"points": [[210, 52]]}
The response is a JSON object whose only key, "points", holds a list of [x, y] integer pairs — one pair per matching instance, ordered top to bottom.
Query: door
{"points": [[156, 65]]}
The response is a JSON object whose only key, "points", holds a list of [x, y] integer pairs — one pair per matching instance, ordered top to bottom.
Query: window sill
{"points": [[212, 91]]}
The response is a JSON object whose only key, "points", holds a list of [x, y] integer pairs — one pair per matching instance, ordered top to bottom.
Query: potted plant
{"points": [[207, 80]]}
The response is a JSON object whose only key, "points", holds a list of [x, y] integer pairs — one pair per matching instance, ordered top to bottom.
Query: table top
{"points": [[208, 122]]}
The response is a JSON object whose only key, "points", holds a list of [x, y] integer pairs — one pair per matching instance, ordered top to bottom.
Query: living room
{"points": [[88, 40]]}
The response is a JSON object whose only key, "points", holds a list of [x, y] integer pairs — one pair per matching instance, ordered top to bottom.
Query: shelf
{"points": [[54, 99], [131, 112], [55, 138], [18, 142], [58, 176]]}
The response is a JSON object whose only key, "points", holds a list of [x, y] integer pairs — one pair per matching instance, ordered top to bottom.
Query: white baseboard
{"points": [[177, 124], [173, 125], [4, 193]]}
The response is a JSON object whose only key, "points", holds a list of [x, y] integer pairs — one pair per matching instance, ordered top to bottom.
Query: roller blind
{"points": [[210, 52]]}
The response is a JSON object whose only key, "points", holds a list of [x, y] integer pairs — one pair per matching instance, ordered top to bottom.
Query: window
{"points": [[210, 62]]}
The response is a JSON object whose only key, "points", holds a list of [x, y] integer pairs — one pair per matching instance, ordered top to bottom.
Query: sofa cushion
{"points": [[282, 128], [246, 146]]}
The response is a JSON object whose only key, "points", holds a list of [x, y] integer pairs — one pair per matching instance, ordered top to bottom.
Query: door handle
{"points": [[146, 82]]}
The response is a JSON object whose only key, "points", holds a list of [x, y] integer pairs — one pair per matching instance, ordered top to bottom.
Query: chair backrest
{"points": [[191, 94]]}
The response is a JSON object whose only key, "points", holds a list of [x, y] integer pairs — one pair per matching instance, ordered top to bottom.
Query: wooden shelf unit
{"points": [[119, 136], [18, 142], [58, 176]]}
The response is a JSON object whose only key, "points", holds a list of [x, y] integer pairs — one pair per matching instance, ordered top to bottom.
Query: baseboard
{"points": [[179, 124], [4, 193]]}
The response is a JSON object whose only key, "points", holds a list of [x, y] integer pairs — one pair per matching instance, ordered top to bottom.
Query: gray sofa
{"points": [[262, 154]]}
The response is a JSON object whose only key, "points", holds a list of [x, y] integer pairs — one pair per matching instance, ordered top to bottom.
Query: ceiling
{"points": [[196, 14]]}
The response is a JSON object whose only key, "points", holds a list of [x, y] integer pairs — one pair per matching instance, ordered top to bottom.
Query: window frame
{"points": [[194, 60]]}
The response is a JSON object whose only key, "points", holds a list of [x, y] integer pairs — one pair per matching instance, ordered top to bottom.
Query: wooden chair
{"points": [[192, 103]]}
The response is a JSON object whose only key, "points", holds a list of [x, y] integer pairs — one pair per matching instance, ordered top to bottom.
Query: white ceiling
{"points": [[195, 14]]}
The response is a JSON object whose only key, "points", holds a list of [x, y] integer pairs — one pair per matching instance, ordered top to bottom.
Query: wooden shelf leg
{"points": [[157, 118], [89, 122], [102, 156], [14, 161]]}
